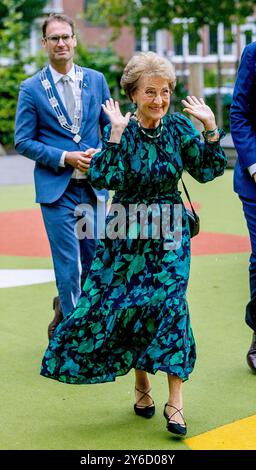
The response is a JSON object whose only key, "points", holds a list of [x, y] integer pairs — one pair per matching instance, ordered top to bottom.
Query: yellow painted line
{"points": [[240, 435]]}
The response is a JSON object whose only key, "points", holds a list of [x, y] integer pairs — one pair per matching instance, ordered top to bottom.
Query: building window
{"points": [[55, 6], [248, 33], [248, 36], [213, 40], [228, 40], [146, 41], [152, 41], [178, 43], [193, 43], [146, 45]]}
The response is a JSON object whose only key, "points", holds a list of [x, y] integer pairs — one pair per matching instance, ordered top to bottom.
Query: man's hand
{"points": [[92, 151], [89, 154], [79, 160], [254, 177]]}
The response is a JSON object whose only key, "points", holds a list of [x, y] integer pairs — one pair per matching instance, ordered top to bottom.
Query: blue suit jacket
{"points": [[243, 122], [39, 136]]}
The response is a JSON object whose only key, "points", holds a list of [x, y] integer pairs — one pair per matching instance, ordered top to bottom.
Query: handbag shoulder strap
{"points": [[183, 184], [184, 187], [189, 200]]}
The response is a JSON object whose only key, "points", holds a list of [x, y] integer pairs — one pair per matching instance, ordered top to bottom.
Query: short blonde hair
{"points": [[149, 64]]}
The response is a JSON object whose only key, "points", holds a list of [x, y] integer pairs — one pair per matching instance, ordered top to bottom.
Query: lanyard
{"points": [[75, 127]]}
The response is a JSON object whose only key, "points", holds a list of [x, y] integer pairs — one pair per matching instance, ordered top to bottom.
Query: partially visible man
{"points": [[58, 118], [243, 129]]}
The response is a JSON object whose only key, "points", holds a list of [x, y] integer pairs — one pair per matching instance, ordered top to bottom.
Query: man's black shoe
{"points": [[57, 318], [251, 355]]}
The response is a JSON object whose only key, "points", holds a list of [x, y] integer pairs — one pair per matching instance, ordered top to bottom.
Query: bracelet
{"points": [[210, 133]]}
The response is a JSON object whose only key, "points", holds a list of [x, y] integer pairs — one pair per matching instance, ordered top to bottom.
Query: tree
{"points": [[30, 9], [160, 14], [15, 16], [103, 60]]}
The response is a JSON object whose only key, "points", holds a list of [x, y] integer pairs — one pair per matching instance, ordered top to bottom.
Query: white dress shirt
{"points": [[59, 85], [252, 169]]}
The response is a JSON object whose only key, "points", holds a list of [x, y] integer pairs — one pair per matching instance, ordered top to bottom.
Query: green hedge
{"points": [[10, 78]]}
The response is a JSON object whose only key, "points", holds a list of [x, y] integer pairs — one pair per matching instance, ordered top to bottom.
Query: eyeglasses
{"points": [[54, 40], [152, 94]]}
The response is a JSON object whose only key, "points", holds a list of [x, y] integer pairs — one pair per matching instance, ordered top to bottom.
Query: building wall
{"points": [[98, 36]]}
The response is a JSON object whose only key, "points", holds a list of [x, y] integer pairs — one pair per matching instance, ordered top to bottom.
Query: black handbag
{"points": [[193, 218]]}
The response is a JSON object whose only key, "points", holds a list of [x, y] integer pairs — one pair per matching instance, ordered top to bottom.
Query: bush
{"points": [[105, 61], [10, 78]]}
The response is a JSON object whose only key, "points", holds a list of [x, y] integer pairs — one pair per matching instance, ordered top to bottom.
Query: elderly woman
{"points": [[134, 312]]}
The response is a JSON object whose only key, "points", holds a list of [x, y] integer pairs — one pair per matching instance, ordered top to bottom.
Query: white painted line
{"points": [[25, 277]]}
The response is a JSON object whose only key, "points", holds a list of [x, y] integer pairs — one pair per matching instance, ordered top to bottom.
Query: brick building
{"points": [[212, 52]]}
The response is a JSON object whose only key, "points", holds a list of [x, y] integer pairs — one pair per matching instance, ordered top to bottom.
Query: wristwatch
{"points": [[211, 136]]}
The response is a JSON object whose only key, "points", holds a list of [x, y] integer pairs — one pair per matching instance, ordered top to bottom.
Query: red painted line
{"points": [[196, 205], [23, 234], [211, 243]]}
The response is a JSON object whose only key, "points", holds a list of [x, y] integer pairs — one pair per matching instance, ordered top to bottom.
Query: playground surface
{"points": [[219, 397]]}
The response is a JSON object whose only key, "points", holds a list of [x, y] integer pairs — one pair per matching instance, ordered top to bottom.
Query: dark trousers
{"points": [[249, 208], [72, 240]]}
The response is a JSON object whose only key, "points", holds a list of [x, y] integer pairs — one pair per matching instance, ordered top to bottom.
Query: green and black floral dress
{"points": [[133, 312]]}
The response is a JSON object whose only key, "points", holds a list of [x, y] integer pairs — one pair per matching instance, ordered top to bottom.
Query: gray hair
{"points": [[146, 64]]}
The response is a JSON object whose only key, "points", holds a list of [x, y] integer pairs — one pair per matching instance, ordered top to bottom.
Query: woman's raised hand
{"points": [[197, 108], [116, 118]]}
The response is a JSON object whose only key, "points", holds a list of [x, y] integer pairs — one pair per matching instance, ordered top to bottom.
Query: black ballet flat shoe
{"points": [[144, 411], [172, 425]]}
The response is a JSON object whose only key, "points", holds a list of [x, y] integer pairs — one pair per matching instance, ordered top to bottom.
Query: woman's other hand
{"points": [[197, 108], [116, 118], [118, 121]]}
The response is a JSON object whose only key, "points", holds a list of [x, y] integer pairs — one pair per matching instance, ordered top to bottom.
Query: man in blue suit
{"points": [[58, 118], [243, 129]]}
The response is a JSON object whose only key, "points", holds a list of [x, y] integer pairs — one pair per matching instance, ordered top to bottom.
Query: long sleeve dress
{"points": [[133, 312]]}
